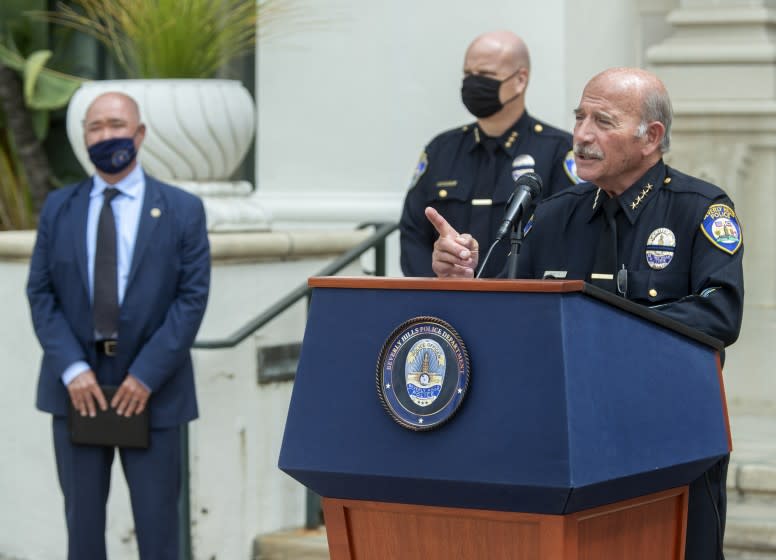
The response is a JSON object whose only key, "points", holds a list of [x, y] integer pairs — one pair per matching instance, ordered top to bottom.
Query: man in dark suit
{"points": [[118, 286]]}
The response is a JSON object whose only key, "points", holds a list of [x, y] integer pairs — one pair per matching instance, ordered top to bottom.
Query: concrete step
{"points": [[751, 479], [750, 531], [296, 544], [744, 555]]}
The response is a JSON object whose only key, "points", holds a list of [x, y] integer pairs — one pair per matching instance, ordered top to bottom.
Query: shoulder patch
{"points": [[570, 167], [420, 169], [721, 227]]}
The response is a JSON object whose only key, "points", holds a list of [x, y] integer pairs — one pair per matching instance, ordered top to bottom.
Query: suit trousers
{"points": [[153, 478], [706, 513]]}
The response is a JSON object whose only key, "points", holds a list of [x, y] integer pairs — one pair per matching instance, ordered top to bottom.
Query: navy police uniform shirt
{"points": [[468, 177], [679, 241]]}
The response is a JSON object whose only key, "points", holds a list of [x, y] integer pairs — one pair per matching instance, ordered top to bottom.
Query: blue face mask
{"points": [[113, 155]]}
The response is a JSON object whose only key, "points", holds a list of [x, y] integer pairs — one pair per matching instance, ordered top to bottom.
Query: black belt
{"points": [[107, 347]]}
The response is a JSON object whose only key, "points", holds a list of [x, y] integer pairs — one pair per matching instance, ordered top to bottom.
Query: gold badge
{"points": [[661, 245]]}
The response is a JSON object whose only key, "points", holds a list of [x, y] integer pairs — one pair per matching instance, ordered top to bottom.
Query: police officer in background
{"points": [[468, 173], [640, 229]]}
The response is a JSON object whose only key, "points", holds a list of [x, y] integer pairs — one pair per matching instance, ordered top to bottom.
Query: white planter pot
{"points": [[197, 130]]}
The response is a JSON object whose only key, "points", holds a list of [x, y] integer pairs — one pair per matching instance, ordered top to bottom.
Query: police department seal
{"points": [[120, 157], [422, 373]]}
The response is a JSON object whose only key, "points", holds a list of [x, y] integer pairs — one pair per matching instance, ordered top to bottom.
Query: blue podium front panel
{"points": [[571, 404], [644, 405]]}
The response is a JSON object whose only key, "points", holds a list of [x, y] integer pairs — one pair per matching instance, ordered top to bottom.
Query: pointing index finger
{"points": [[443, 228]]}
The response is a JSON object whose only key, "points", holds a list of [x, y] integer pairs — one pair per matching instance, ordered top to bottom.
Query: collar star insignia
{"points": [[511, 139], [642, 195]]}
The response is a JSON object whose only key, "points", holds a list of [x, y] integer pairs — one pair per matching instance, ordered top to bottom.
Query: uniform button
{"points": [[538, 128], [667, 180], [442, 193], [653, 292]]}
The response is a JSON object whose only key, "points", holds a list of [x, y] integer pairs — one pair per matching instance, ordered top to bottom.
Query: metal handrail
{"points": [[375, 241]]}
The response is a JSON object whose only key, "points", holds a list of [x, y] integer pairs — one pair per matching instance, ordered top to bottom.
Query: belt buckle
{"points": [[109, 347]]}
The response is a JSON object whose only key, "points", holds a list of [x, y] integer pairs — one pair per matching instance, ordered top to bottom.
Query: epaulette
{"points": [[539, 128], [452, 135], [681, 182], [582, 189]]}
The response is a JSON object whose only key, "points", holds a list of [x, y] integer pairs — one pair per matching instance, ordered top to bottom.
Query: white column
{"points": [[720, 68]]}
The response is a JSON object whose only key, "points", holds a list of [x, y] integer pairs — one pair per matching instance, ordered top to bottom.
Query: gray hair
{"points": [[656, 106]]}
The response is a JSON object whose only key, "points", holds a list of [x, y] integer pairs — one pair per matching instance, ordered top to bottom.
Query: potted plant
{"points": [[198, 128]]}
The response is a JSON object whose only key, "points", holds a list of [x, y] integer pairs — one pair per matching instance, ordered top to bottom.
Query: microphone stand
{"points": [[515, 240]]}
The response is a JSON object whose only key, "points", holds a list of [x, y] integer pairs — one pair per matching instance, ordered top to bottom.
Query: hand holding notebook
{"points": [[107, 427]]}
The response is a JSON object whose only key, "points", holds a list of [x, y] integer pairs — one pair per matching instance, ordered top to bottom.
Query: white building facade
{"points": [[344, 108]]}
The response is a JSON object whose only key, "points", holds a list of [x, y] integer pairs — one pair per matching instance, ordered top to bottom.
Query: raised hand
{"points": [[455, 255]]}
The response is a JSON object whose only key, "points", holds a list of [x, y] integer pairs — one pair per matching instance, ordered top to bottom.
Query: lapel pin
{"points": [[155, 212]]}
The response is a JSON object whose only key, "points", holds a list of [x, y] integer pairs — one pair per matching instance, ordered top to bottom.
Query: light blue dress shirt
{"points": [[126, 209]]}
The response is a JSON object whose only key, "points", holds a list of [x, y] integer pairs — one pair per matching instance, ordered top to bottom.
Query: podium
{"points": [[585, 418]]}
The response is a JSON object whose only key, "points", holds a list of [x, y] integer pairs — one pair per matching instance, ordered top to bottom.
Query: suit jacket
{"points": [[163, 305]]}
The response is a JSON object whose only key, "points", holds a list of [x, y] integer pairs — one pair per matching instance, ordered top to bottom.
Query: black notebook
{"points": [[107, 427]]}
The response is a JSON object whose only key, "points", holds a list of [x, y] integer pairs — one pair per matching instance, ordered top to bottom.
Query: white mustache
{"points": [[588, 152]]}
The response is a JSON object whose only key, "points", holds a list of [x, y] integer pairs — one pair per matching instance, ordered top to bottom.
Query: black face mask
{"points": [[480, 94]]}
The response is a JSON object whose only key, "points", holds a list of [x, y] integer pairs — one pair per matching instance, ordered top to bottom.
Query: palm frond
{"points": [[171, 38]]}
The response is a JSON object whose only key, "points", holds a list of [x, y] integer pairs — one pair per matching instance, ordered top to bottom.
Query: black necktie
{"points": [[481, 212], [604, 271], [106, 285]]}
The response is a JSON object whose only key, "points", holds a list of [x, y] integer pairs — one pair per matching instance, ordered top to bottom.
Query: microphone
{"points": [[529, 187]]}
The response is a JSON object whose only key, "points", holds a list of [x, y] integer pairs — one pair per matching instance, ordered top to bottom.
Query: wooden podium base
{"points": [[651, 527]]}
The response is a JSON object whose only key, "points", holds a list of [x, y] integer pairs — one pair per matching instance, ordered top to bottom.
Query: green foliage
{"points": [[19, 32], [169, 38], [44, 89], [15, 203]]}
